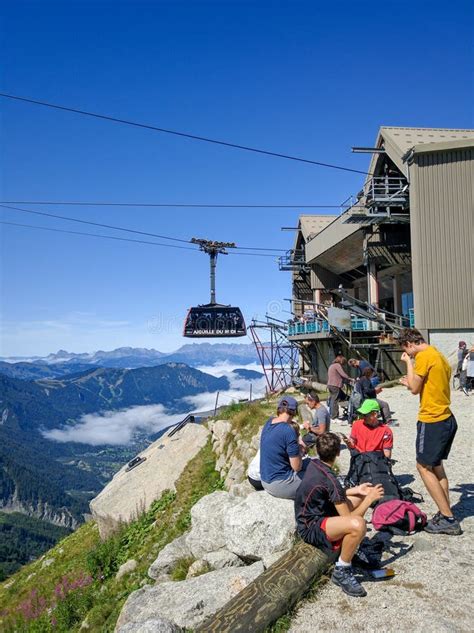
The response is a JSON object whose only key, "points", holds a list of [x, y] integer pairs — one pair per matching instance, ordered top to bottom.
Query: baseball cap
{"points": [[288, 402], [368, 406]]}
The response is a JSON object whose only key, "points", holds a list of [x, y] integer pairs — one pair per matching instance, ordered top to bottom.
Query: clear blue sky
{"points": [[304, 78]]}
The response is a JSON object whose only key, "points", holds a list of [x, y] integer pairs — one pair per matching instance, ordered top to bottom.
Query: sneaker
{"points": [[391, 423], [440, 525], [344, 578]]}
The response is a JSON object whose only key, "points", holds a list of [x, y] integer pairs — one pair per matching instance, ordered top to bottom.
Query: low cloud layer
{"points": [[115, 427], [118, 428]]}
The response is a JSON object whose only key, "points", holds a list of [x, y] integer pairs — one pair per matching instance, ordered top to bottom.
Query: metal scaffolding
{"points": [[278, 356]]}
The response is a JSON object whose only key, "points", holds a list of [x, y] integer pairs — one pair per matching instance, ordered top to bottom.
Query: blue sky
{"points": [[304, 78]]}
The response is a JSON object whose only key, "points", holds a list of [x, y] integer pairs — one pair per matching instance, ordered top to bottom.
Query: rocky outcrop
{"points": [[233, 453], [131, 493], [39, 510], [207, 520], [258, 526], [229, 530], [235, 535], [126, 568], [189, 602], [156, 625]]}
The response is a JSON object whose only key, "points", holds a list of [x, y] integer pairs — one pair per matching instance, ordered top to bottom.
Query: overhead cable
{"points": [[194, 137], [180, 205], [105, 226], [121, 228], [120, 239]]}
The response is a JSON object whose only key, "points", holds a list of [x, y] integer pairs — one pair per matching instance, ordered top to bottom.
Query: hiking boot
{"points": [[440, 525], [344, 578]]}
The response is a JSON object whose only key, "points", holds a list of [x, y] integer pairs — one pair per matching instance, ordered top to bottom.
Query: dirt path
{"points": [[433, 588]]}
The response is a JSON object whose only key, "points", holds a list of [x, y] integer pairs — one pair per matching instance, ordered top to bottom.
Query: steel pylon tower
{"points": [[278, 356]]}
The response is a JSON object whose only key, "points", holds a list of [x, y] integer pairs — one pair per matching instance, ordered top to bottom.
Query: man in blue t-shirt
{"points": [[281, 450]]}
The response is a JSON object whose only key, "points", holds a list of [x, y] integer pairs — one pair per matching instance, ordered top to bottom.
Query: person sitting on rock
{"points": [[320, 422], [368, 433], [281, 452], [253, 472], [331, 518]]}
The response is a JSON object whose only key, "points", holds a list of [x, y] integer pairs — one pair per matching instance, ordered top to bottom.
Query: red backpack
{"points": [[398, 516]]}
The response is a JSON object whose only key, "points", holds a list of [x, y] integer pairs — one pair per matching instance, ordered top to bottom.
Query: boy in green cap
{"points": [[368, 433]]}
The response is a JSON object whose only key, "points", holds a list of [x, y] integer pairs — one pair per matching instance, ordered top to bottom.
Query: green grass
{"points": [[247, 418], [83, 553], [181, 568]]}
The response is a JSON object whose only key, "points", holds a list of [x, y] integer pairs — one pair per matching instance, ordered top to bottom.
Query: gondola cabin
{"points": [[214, 321]]}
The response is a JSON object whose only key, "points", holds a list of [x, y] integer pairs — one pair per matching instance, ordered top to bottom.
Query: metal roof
{"points": [[398, 141], [311, 225]]}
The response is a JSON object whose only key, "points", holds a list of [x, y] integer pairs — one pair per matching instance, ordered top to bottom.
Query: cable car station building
{"points": [[400, 254]]}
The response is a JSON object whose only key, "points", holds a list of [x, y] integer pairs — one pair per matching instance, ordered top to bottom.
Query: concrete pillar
{"points": [[372, 284], [397, 294]]}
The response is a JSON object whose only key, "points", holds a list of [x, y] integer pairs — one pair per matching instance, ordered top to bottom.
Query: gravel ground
{"points": [[433, 587]]}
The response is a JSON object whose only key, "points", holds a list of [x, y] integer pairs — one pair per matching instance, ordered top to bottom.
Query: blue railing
{"points": [[411, 316], [319, 325], [359, 325], [308, 327]]}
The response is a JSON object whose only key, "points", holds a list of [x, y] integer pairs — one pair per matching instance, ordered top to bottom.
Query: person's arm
{"points": [[343, 374], [412, 380], [320, 429], [387, 443], [293, 449], [296, 463], [375, 494], [343, 509]]}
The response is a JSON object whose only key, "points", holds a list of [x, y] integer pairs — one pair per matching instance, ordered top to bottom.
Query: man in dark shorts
{"points": [[430, 376], [331, 518]]}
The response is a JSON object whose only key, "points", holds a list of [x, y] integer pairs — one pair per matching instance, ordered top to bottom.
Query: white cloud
{"points": [[225, 367], [239, 387], [115, 427], [120, 427]]}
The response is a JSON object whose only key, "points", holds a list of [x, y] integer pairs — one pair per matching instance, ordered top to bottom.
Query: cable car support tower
{"points": [[214, 320]]}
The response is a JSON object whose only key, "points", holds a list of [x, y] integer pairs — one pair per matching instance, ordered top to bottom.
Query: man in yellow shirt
{"points": [[429, 376]]}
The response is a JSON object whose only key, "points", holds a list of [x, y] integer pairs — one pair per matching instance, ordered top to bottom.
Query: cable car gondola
{"points": [[214, 320]]}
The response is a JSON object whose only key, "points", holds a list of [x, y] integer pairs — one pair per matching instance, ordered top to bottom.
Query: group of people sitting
{"points": [[364, 386], [327, 516]]}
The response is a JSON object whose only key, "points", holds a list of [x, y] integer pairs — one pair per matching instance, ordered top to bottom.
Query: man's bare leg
{"points": [[443, 480], [435, 489], [350, 529]]}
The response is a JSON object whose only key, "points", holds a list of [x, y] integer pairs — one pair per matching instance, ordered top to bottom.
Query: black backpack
{"points": [[373, 468]]}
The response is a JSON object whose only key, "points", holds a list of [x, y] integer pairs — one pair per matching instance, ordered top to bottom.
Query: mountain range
{"points": [[63, 362], [52, 480]]}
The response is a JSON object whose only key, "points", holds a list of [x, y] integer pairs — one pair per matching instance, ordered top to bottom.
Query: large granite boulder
{"points": [[131, 493], [207, 523], [259, 526], [168, 557], [186, 603], [155, 625]]}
